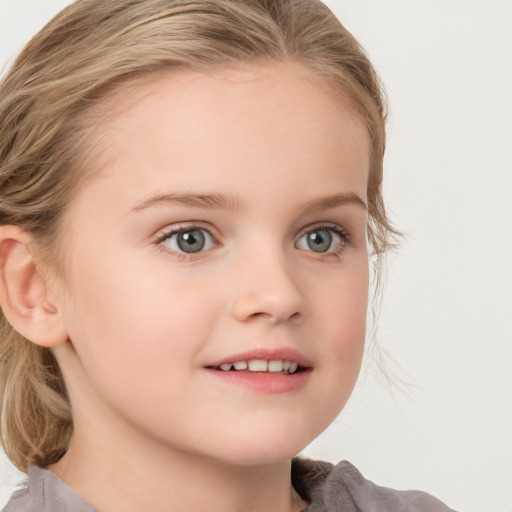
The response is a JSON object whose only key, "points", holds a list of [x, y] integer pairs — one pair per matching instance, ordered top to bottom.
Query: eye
{"points": [[323, 239], [188, 241]]}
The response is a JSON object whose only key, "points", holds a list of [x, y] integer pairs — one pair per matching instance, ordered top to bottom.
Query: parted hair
{"points": [[88, 51]]}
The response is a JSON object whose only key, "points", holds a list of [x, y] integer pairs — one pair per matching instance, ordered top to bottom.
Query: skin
{"points": [[142, 319]]}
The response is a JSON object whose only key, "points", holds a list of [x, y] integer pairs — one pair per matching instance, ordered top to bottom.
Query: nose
{"points": [[267, 291]]}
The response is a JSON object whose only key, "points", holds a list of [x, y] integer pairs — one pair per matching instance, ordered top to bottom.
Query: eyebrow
{"points": [[204, 201], [333, 201], [230, 203]]}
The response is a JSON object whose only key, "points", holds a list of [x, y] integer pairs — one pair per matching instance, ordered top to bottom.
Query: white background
{"points": [[446, 318]]}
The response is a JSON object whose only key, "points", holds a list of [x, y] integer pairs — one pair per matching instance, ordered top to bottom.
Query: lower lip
{"points": [[268, 383]]}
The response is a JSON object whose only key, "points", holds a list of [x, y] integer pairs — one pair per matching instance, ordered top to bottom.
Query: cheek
{"points": [[346, 303], [344, 313], [125, 320], [347, 335], [136, 342], [339, 344]]}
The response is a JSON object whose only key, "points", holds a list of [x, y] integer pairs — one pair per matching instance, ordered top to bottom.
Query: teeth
{"points": [[258, 365], [261, 365], [275, 366]]}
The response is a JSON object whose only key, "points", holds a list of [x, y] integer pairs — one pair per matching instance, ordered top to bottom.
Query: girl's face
{"points": [[228, 227]]}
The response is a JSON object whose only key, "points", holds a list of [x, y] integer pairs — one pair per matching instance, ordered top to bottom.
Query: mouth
{"points": [[274, 366], [264, 371]]}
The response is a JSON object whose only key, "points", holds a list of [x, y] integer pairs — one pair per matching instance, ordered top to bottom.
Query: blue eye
{"points": [[322, 240], [189, 241]]}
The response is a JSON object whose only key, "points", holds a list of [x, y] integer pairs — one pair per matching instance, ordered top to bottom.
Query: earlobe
{"points": [[24, 294]]}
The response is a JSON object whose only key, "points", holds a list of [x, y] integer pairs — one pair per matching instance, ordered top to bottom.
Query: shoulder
{"points": [[343, 488], [44, 492], [24, 499]]}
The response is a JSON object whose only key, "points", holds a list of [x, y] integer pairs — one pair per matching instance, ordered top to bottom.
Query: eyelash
{"points": [[183, 228], [345, 238]]}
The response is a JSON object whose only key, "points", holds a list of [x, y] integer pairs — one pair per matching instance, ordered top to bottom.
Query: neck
{"points": [[114, 474]]}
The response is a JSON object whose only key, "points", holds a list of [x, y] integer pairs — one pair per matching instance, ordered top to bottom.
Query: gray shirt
{"points": [[325, 487]]}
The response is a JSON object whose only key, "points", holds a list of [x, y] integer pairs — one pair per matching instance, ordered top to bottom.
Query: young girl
{"points": [[190, 194]]}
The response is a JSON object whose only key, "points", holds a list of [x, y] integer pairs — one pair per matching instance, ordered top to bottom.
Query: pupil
{"points": [[191, 241], [320, 241]]}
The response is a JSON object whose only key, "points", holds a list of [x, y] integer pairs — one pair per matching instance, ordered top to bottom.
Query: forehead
{"points": [[226, 78], [245, 108], [231, 130]]}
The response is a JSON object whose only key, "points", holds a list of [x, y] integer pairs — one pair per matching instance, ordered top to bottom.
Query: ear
{"points": [[25, 297]]}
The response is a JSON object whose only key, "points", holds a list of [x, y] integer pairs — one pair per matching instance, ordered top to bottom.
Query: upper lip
{"points": [[268, 354]]}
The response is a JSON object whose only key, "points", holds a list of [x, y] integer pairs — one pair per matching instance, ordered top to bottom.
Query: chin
{"points": [[268, 438], [264, 449], [260, 459]]}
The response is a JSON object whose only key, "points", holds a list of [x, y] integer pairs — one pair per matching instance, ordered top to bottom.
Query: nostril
{"points": [[260, 316], [297, 316], [275, 318]]}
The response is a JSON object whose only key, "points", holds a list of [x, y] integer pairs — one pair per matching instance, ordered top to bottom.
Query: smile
{"points": [[262, 365], [264, 370]]}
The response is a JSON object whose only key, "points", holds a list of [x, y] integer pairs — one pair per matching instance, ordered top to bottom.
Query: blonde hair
{"points": [[83, 54]]}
